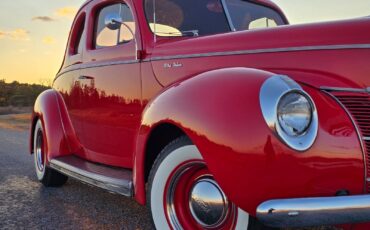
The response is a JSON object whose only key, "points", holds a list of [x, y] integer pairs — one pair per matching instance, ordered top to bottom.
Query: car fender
{"points": [[204, 107], [220, 112], [59, 134]]}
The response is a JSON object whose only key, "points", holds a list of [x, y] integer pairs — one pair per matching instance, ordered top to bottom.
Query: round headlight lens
{"points": [[294, 114]]}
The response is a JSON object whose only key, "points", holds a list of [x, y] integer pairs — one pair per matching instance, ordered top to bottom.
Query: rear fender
{"points": [[59, 134]]}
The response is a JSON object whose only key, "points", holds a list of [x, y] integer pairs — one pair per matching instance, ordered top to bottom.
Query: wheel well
{"points": [[34, 121], [158, 139]]}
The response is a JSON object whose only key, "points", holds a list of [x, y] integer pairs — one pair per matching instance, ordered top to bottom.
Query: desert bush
{"points": [[17, 94]]}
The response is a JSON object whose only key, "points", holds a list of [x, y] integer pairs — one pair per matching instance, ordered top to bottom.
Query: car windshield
{"points": [[206, 17]]}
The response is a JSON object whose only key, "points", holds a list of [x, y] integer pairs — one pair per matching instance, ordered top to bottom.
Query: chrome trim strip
{"points": [[227, 13], [260, 51], [216, 54], [88, 66], [69, 69], [350, 90], [357, 131], [366, 138], [122, 187], [307, 212]]}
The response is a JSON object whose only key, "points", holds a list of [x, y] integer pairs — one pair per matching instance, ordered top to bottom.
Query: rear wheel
{"points": [[47, 176], [184, 195]]}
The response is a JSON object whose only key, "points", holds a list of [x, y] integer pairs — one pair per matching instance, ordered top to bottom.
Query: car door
{"points": [[67, 83], [111, 86]]}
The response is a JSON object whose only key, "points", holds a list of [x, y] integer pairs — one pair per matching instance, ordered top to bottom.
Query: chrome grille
{"points": [[358, 105]]}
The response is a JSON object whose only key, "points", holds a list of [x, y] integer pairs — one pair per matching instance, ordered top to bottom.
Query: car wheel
{"points": [[47, 176], [182, 193]]}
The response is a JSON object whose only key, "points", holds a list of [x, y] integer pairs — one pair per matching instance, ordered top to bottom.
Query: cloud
{"points": [[68, 12], [43, 19], [17, 34], [49, 40]]}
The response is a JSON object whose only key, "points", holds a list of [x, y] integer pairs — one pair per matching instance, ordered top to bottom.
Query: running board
{"points": [[112, 179]]}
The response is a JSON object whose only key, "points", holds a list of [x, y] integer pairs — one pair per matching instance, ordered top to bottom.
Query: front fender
{"points": [[205, 107], [51, 110], [220, 112]]}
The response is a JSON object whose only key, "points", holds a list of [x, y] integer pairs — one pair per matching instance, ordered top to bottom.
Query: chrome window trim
{"points": [[228, 16], [272, 90]]}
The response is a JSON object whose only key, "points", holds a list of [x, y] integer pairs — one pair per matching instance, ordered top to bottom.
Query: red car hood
{"points": [[332, 54]]}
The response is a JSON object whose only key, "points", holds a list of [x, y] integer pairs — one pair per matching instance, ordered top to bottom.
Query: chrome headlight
{"points": [[289, 112], [294, 113]]}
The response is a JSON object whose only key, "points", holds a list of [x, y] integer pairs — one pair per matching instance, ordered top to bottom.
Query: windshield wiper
{"points": [[186, 33], [193, 33]]}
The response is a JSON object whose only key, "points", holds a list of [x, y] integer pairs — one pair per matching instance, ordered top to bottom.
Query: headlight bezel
{"points": [[272, 91]]}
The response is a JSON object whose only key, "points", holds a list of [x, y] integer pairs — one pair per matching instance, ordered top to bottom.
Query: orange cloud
{"points": [[68, 11], [17, 34], [49, 40]]}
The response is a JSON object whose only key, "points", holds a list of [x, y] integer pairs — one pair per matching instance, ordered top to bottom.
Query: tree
{"points": [[19, 94]]}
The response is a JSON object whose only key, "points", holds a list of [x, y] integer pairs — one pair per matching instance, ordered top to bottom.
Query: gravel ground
{"points": [[26, 204]]}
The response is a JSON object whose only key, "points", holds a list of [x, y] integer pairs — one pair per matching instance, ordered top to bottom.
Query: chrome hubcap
{"points": [[39, 152], [208, 204], [205, 206]]}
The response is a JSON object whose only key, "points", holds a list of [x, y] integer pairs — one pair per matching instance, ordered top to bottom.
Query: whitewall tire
{"points": [[47, 176], [180, 187]]}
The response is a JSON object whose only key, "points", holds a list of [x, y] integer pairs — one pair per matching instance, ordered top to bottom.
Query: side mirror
{"points": [[113, 21]]}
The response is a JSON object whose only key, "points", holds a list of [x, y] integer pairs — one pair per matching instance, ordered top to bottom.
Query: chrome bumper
{"points": [[306, 212]]}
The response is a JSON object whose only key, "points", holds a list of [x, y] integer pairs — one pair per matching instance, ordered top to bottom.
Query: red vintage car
{"points": [[214, 113]]}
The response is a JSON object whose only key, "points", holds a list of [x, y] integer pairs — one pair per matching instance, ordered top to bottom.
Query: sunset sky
{"points": [[33, 34]]}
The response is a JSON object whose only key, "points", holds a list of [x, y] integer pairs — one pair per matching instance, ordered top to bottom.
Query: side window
{"points": [[248, 15], [186, 17], [128, 19], [262, 23], [77, 37], [106, 37], [80, 42]]}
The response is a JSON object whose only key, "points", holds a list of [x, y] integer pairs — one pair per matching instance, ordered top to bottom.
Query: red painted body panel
{"points": [[331, 65], [112, 100], [215, 104], [50, 109], [236, 142]]}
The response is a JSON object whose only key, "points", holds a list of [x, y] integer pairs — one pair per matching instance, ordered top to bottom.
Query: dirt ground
{"points": [[14, 110], [15, 121]]}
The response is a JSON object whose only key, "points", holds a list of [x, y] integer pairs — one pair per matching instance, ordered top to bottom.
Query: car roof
{"points": [[263, 2]]}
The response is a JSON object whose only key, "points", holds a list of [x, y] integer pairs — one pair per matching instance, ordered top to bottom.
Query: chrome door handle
{"points": [[85, 78]]}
